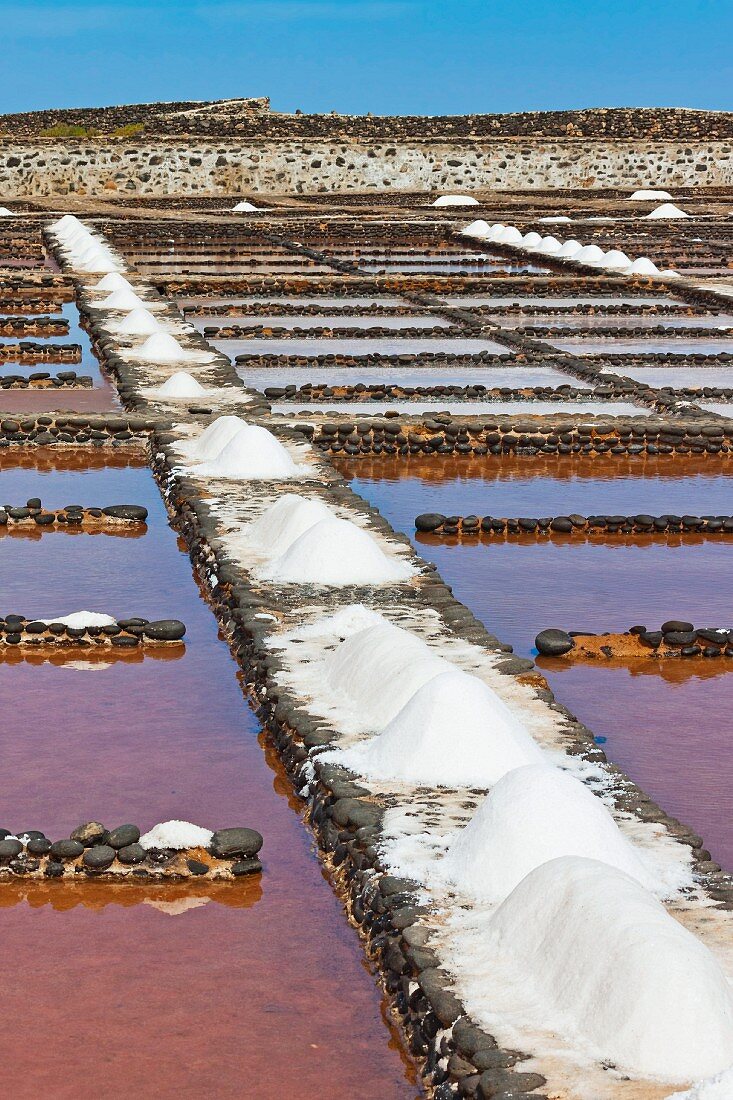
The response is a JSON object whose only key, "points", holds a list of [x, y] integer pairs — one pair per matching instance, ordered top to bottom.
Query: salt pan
{"points": [[336, 552], [453, 732], [534, 814], [595, 957]]}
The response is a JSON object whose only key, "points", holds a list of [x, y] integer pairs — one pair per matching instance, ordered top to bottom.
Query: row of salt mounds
{"points": [[455, 200], [83, 250], [454, 731], [535, 814], [582, 949]]}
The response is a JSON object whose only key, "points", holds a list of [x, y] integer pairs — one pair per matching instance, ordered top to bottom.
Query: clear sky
{"points": [[354, 56]]}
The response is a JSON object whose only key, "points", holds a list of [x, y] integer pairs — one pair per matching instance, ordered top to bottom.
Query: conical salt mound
{"points": [[645, 195], [455, 200], [244, 207], [667, 210], [5, 213], [479, 229], [509, 235], [530, 240], [548, 246], [570, 249], [590, 254], [614, 260], [101, 265], [642, 266], [113, 281], [123, 300], [139, 322], [161, 347], [181, 385], [214, 439], [253, 454], [285, 521], [336, 552], [378, 669], [453, 732], [534, 814], [595, 957]]}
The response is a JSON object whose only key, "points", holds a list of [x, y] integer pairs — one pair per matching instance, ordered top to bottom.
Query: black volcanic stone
{"points": [[126, 511], [429, 521], [676, 625], [165, 630], [680, 637], [651, 638], [553, 643], [92, 832], [123, 836], [227, 843], [9, 849], [66, 849], [132, 853], [99, 857], [196, 867], [246, 867]]}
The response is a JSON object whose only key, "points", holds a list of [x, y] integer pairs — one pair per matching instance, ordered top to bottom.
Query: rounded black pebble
{"points": [[126, 511], [429, 521], [676, 625], [165, 630], [680, 637], [651, 638], [553, 643], [91, 832], [123, 836], [227, 843], [39, 846], [9, 849], [66, 849], [132, 853], [99, 857], [196, 867], [246, 867], [53, 869]]}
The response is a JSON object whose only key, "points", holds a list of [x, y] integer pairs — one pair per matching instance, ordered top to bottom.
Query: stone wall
{"points": [[162, 167]]}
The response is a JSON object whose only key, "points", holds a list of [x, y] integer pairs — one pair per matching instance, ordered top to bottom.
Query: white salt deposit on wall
{"points": [[456, 200], [181, 385], [283, 522], [336, 552], [453, 732], [532, 815], [177, 835], [581, 949]]}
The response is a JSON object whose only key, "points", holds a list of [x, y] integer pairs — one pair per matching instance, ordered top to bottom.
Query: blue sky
{"points": [[354, 56]]}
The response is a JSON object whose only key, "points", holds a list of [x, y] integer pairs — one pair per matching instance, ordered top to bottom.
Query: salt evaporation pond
{"points": [[460, 268], [306, 300], [500, 301], [612, 320], [320, 321], [377, 345], [654, 345], [513, 377], [677, 377], [467, 408], [720, 408], [669, 733], [180, 972]]}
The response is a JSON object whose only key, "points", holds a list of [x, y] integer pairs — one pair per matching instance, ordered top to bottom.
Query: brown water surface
{"points": [[260, 990]]}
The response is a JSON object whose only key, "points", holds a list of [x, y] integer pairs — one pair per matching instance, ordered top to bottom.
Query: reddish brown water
{"points": [[669, 732], [256, 991]]}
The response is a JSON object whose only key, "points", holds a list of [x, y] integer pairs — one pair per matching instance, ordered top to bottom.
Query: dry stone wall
{"points": [[163, 167]]}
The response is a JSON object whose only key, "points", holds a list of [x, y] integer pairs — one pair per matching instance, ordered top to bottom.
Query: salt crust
{"points": [[456, 200], [335, 552], [79, 619], [453, 732], [534, 814], [176, 834], [582, 949], [719, 1087]]}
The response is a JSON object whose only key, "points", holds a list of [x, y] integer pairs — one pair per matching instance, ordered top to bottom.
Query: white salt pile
{"points": [[646, 196], [456, 200], [244, 206], [667, 210], [5, 213], [558, 218], [479, 229], [509, 235], [530, 240], [548, 246], [570, 249], [589, 254], [614, 260], [642, 266], [113, 281], [123, 300], [139, 322], [161, 347], [181, 384], [214, 439], [253, 454], [283, 522], [336, 552], [79, 619], [378, 669], [453, 732], [534, 814], [177, 835], [591, 955], [719, 1087]]}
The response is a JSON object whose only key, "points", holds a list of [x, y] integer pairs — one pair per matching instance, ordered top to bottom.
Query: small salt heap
{"points": [[648, 196], [456, 200], [243, 207], [667, 210], [5, 213], [555, 219], [479, 229], [570, 249], [589, 254], [642, 266], [113, 281], [122, 300], [139, 322], [161, 347], [181, 385], [213, 439], [252, 454], [283, 522], [336, 552], [453, 732], [534, 814], [177, 835]]}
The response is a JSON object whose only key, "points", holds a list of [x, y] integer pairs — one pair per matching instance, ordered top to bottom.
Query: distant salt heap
{"points": [[649, 196], [456, 200], [243, 207], [667, 210], [5, 213], [558, 218], [479, 229], [529, 241], [549, 246], [614, 260], [642, 266], [139, 322], [161, 347], [181, 385], [252, 454], [283, 522], [336, 552], [79, 620], [377, 670], [453, 732], [534, 814], [178, 835], [588, 953]]}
